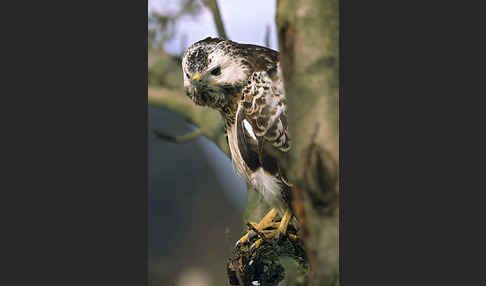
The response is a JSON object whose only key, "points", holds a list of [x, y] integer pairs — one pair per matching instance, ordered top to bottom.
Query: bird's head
{"points": [[213, 72]]}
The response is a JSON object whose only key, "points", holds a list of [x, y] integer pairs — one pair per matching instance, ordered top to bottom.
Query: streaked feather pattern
{"points": [[250, 95]]}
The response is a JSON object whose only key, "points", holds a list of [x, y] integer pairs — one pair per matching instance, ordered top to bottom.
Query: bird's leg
{"points": [[264, 223], [284, 223], [277, 233]]}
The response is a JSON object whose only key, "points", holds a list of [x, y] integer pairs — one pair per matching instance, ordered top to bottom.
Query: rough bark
{"points": [[308, 41]]}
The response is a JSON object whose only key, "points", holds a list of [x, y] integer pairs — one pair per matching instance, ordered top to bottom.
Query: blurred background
{"points": [[196, 202]]}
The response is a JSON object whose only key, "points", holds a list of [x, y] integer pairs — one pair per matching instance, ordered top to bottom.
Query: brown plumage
{"points": [[244, 83]]}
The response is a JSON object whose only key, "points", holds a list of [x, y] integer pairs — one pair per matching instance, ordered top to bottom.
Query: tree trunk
{"points": [[308, 41]]}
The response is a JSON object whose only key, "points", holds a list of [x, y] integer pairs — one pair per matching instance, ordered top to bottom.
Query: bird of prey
{"points": [[244, 83]]}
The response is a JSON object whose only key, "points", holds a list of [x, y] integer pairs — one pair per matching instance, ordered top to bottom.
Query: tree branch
{"points": [[218, 20], [267, 36], [208, 120], [178, 139], [262, 266]]}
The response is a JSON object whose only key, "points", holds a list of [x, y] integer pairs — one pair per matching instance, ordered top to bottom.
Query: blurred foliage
{"points": [[162, 25], [164, 70], [165, 76]]}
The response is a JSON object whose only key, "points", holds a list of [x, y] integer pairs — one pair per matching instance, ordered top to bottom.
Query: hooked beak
{"points": [[196, 76], [196, 80], [198, 89]]}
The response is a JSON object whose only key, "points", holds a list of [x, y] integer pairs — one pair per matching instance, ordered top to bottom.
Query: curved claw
{"points": [[263, 224], [293, 236], [256, 244]]}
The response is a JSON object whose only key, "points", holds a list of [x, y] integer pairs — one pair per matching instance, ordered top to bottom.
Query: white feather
{"points": [[231, 69], [249, 129], [238, 163], [266, 184], [269, 187]]}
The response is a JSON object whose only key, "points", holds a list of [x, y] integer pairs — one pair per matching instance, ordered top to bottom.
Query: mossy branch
{"points": [[209, 121], [178, 139], [263, 265]]}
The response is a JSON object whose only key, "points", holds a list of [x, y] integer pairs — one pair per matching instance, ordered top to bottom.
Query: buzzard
{"points": [[244, 83]]}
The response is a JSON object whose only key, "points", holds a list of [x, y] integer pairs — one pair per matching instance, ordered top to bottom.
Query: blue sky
{"points": [[245, 21]]}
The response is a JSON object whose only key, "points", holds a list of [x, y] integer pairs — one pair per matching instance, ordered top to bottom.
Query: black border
{"points": [[75, 155], [76, 168], [404, 200]]}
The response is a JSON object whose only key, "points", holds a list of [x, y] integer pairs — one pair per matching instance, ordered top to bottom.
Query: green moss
{"points": [[263, 264]]}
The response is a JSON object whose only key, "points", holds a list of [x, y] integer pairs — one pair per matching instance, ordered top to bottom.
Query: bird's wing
{"points": [[262, 123]]}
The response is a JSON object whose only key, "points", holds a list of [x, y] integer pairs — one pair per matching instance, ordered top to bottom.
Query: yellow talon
{"points": [[285, 222], [264, 223], [254, 224], [269, 229], [293, 236], [257, 243]]}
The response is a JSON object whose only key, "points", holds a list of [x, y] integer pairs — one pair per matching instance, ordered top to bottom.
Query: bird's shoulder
{"points": [[257, 58], [262, 114], [261, 126]]}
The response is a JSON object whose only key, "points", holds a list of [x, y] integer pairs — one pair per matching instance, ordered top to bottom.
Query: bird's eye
{"points": [[216, 71], [187, 75]]}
